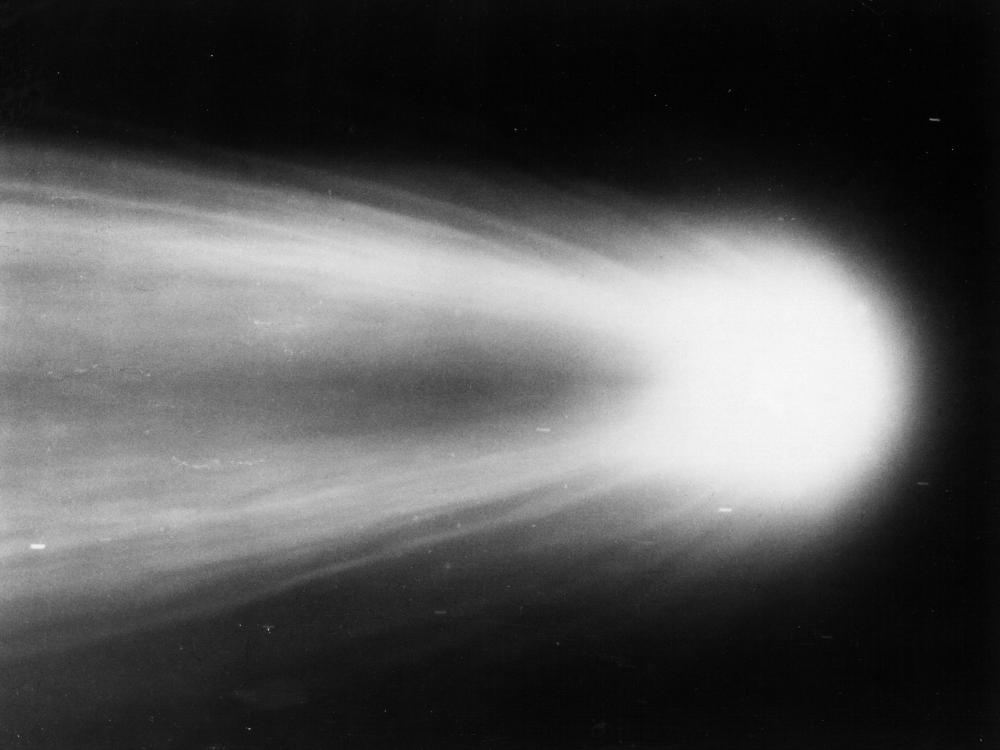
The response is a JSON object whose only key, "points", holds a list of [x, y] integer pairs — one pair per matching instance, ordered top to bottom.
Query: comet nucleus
{"points": [[781, 375]]}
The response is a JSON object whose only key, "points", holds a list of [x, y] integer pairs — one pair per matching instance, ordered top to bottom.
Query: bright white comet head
{"points": [[776, 377]]}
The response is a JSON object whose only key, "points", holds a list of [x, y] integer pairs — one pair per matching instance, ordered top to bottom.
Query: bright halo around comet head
{"points": [[776, 375]]}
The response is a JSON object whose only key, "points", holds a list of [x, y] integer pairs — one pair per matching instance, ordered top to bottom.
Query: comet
{"points": [[210, 371]]}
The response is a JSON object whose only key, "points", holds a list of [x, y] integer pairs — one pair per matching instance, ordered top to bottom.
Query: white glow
{"points": [[211, 373], [776, 378]]}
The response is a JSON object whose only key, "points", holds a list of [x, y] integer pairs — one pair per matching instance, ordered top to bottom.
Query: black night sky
{"points": [[874, 121]]}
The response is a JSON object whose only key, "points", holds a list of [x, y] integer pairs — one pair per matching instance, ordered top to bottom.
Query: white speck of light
{"points": [[934, 119], [725, 510], [38, 546]]}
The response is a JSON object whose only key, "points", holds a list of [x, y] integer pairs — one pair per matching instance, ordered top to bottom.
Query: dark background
{"points": [[874, 121]]}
